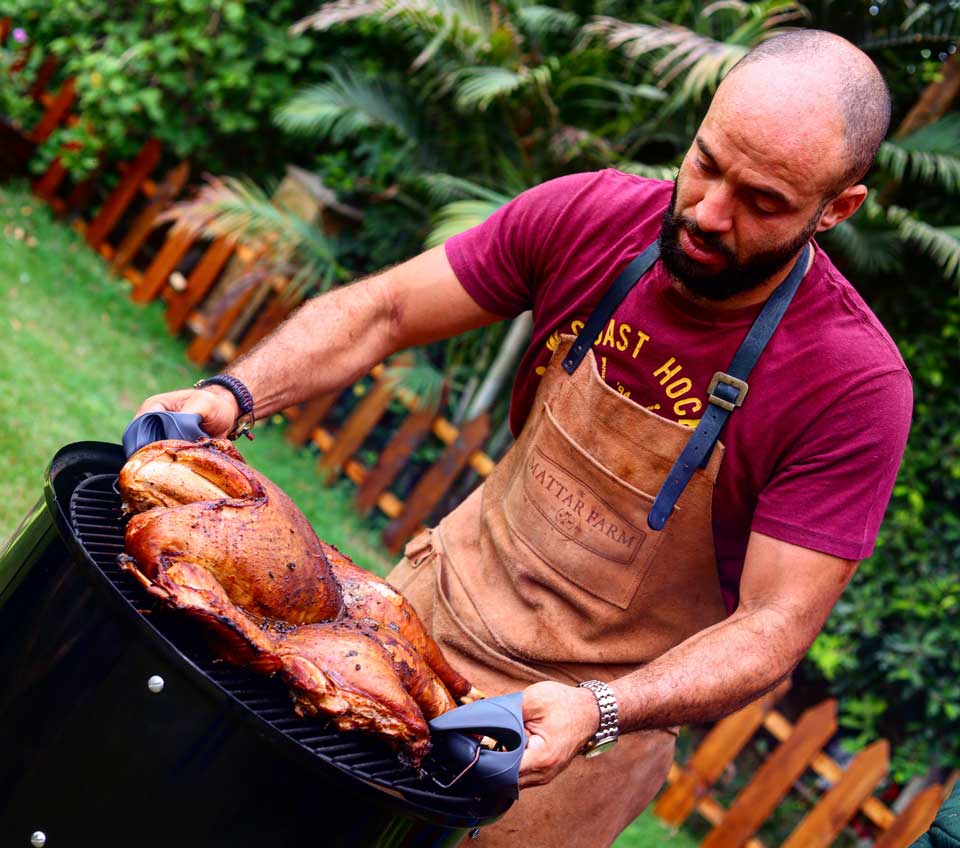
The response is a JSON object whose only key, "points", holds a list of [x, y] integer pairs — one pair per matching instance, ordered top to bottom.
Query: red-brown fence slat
{"points": [[48, 67], [55, 112], [46, 185], [168, 189], [79, 197], [120, 198], [158, 272], [199, 282], [270, 317], [216, 329], [309, 417], [357, 427], [415, 428], [434, 484], [717, 750], [775, 777], [874, 809], [828, 818], [914, 820]]}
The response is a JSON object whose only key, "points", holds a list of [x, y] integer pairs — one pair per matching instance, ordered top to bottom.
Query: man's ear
{"points": [[842, 207]]}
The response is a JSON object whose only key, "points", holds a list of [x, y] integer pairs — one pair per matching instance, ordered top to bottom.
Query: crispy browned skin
{"points": [[213, 510], [221, 543], [367, 598], [339, 669]]}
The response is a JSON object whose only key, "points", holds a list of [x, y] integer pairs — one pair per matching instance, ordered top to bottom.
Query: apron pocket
{"points": [[581, 519], [417, 556]]}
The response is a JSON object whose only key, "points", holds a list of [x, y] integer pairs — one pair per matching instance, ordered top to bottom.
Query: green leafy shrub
{"points": [[202, 76], [890, 649]]}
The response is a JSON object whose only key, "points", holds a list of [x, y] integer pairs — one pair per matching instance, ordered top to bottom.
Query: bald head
{"points": [[814, 64]]}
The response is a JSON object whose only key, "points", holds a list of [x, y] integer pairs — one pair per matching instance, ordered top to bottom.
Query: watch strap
{"points": [[609, 727]]}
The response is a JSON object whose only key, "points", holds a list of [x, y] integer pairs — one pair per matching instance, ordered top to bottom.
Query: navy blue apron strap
{"points": [[621, 286], [725, 393]]}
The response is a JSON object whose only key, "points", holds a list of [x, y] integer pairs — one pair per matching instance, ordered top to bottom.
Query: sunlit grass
{"points": [[77, 357]]}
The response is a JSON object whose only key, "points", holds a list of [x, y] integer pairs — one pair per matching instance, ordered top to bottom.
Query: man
{"points": [[560, 569]]}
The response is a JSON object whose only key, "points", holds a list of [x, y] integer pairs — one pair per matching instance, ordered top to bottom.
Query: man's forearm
{"points": [[327, 344], [711, 674]]}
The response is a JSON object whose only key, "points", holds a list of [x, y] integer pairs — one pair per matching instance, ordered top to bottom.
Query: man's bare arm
{"points": [[334, 339], [786, 594]]}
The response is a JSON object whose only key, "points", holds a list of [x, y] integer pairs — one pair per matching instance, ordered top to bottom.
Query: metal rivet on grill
{"points": [[155, 684], [38, 839]]}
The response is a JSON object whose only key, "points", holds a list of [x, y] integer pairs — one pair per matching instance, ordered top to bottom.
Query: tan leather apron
{"points": [[549, 572]]}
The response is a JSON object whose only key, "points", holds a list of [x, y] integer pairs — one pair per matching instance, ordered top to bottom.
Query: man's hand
{"points": [[215, 405], [559, 720]]}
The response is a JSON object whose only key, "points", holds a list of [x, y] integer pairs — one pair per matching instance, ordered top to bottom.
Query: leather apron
{"points": [[549, 571]]}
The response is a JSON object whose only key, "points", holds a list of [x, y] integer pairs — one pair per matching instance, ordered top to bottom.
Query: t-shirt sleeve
{"points": [[499, 261], [832, 490]]}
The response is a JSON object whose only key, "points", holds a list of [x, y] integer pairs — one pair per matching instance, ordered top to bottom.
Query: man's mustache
{"points": [[710, 240]]}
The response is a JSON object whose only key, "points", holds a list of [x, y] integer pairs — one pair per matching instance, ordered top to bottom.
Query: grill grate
{"points": [[95, 514]]}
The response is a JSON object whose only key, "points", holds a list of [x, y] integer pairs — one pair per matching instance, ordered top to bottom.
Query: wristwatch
{"points": [[245, 420], [608, 731]]}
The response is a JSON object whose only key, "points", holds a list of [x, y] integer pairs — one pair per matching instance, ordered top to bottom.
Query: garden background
{"points": [[425, 117]]}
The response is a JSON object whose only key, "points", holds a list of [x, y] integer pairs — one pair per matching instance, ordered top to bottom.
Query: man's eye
{"points": [[705, 167], [764, 206]]}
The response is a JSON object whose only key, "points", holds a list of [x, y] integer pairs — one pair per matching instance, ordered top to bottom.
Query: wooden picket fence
{"points": [[120, 231], [123, 231], [800, 749]]}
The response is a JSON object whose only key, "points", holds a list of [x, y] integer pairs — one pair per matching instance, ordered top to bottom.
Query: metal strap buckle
{"points": [[726, 379]]}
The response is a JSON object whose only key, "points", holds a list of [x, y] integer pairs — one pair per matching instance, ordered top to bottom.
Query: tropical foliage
{"points": [[197, 74], [430, 114]]}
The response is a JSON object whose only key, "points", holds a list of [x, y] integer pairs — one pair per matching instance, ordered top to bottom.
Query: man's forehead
{"points": [[787, 125]]}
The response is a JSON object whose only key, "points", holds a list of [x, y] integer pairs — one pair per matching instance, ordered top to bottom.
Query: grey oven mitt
{"points": [[154, 426], [456, 749]]}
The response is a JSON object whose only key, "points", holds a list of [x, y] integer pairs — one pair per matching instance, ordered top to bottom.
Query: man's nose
{"points": [[714, 213]]}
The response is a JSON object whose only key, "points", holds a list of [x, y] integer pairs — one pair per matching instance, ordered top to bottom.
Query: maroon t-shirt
{"points": [[811, 456]]}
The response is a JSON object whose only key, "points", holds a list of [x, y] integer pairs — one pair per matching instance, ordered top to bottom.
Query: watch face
{"points": [[601, 747]]}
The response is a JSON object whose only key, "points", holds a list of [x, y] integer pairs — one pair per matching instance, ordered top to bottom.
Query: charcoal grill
{"points": [[119, 726]]}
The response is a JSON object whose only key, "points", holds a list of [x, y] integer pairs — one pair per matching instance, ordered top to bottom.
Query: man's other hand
{"points": [[215, 405], [559, 720]]}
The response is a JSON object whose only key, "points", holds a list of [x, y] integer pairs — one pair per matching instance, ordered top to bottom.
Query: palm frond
{"points": [[340, 12], [539, 22], [467, 25], [682, 49], [675, 50], [478, 86], [625, 95], [346, 105], [930, 155], [652, 172], [444, 188], [239, 209], [458, 217], [941, 244], [870, 251], [419, 381]]}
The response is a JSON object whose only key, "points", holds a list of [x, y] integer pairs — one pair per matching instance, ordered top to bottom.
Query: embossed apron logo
{"points": [[576, 511]]}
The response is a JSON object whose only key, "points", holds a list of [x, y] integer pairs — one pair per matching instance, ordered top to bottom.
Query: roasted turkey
{"points": [[215, 539]]}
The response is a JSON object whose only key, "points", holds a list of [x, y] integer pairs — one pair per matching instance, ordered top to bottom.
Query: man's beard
{"points": [[736, 277]]}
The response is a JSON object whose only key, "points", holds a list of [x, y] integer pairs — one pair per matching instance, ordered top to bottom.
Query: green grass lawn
{"points": [[76, 359]]}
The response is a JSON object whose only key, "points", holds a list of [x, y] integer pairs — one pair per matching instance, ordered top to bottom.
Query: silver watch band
{"points": [[609, 728]]}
